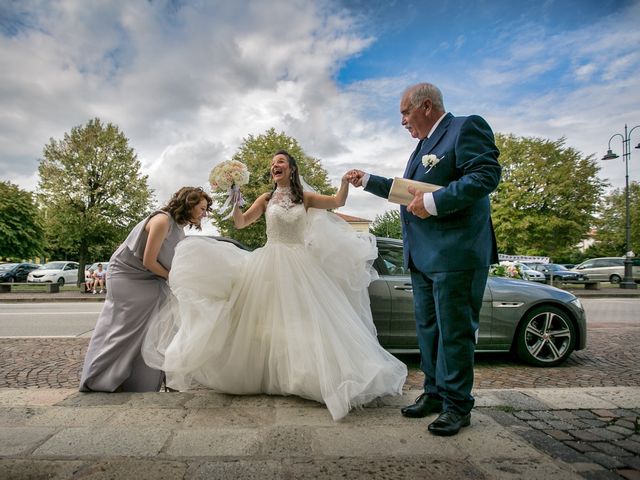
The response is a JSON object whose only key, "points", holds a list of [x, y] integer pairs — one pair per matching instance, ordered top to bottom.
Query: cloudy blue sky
{"points": [[187, 80]]}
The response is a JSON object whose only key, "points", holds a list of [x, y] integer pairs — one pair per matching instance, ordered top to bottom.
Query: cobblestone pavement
{"points": [[611, 359], [609, 438]]}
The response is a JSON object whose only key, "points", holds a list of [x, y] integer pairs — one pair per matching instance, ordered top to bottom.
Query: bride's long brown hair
{"points": [[294, 179]]}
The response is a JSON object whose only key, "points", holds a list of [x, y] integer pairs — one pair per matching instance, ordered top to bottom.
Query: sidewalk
{"points": [[75, 295], [533, 434]]}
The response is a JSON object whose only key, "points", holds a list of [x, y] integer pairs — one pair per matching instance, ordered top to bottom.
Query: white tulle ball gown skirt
{"points": [[284, 320]]}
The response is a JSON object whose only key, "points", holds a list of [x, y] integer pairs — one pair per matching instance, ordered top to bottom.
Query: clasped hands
{"points": [[416, 206]]}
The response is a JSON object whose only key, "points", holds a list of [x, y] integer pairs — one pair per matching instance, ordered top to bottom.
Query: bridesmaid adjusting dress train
{"points": [[136, 289]]}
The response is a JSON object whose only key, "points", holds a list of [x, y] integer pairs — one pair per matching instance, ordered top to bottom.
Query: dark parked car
{"points": [[234, 241], [16, 272], [556, 272], [541, 324]]}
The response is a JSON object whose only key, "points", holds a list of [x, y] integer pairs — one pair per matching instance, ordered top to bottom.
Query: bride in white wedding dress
{"points": [[290, 318]]}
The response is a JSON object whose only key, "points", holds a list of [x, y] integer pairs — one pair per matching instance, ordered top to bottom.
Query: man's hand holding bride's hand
{"points": [[354, 177], [416, 206]]}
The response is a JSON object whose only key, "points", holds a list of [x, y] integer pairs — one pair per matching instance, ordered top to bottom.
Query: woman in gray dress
{"points": [[136, 289]]}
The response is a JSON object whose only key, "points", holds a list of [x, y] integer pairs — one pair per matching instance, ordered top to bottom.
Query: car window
{"points": [[392, 260], [612, 262]]}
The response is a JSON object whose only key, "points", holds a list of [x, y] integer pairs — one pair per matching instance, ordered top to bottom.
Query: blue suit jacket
{"points": [[461, 236]]}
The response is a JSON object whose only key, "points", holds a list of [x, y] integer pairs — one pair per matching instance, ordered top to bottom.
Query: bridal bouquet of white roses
{"points": [[229, 176]]}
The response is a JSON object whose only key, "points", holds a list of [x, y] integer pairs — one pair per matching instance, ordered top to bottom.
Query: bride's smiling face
{"points": [[280, 169]]}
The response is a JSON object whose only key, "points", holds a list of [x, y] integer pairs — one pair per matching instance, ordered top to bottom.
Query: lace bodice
{"points": [[285, 220]]}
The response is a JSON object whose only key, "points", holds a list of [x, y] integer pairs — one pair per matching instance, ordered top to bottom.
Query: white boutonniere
{"points": [[430, 161]]}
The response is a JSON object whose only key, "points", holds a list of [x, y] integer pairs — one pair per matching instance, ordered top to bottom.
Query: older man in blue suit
{"points": [[449, 244]]}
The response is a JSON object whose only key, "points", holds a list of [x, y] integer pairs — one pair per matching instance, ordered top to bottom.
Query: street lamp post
{"points": [[627, 281]]}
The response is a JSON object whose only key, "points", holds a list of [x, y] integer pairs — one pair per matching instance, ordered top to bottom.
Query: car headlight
{"points": [[50, 274], [576, 301]]}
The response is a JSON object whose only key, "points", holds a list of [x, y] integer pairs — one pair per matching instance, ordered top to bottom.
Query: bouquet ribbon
{"points": [[234, 198]]}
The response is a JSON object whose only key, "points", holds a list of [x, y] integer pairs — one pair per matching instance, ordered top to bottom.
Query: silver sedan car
{"points": [[540, 323]]}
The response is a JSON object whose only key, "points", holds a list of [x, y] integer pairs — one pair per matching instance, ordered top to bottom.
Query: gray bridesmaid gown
{"points": [[134, 294]]}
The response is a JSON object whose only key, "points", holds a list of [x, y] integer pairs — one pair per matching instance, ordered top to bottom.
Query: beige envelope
{"points": [[399, 189]]}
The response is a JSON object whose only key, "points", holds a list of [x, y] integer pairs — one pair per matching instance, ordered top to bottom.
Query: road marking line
{"points": [[46, 313], [4, 337]]}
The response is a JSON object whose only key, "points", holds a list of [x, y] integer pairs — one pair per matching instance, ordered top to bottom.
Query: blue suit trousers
{"points": [[447, 307]]}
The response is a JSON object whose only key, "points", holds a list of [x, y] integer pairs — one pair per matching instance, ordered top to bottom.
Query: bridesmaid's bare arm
{"points": [[158, 228]]}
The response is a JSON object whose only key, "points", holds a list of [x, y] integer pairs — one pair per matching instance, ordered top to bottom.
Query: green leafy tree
{"points": [[256, 153], [92, 191], [546, 201], [387, 225], [21, 232], [610, 237]]}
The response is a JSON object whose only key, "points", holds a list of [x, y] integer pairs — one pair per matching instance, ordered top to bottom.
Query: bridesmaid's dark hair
{"points": [[296, 185], [183, 201]]}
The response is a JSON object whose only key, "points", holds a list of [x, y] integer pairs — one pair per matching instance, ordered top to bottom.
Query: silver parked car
{"points": [[607, 269], [531, 274], [540, 323]]}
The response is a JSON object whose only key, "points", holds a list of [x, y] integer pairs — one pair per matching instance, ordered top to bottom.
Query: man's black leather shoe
{"points": [[425, 405], [449, 423]]}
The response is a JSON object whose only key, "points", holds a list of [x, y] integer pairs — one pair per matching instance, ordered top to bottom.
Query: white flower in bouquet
{"points": [[430, 161], [228, 174], [506, 269]]}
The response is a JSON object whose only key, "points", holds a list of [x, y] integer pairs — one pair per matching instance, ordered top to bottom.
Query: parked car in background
{"points": [[234, 241], [607, 269], [16, 272], [61, 272], [555, 272], [530, 274], [541, 324]]}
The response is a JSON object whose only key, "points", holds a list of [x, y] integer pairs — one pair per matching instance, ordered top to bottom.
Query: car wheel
{"points": [[615, 279], [61, 281], [546, 337]]}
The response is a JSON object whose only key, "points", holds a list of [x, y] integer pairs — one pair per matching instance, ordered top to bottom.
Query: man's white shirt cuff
{"points": [[365, 179], [430, 204]]}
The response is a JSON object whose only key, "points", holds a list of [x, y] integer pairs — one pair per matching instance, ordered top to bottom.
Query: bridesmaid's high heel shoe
{"points": [[166, 388]]}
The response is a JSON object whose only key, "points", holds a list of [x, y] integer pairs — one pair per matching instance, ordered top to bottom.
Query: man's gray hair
{"points": [[426, 91]]}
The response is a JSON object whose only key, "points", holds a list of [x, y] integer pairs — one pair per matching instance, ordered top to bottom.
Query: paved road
{"points": [[48, 319], [78, 319]]}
